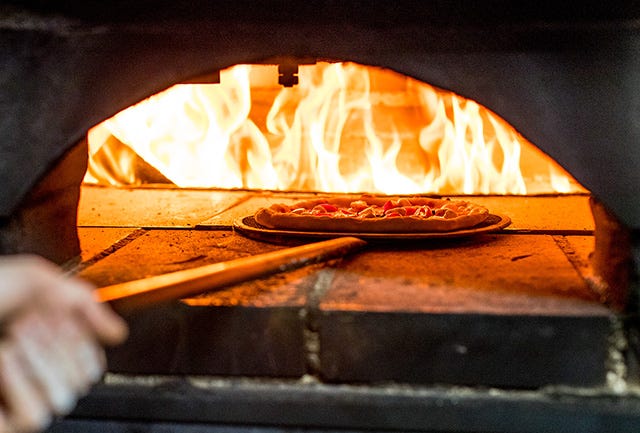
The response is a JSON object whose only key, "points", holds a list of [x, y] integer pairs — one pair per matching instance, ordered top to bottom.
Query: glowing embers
{"points": [[344, 128]]}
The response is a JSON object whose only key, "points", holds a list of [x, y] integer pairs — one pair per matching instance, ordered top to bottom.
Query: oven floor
{"points": [[516, 311]]}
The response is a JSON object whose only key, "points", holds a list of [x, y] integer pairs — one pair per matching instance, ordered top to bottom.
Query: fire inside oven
{"points": [[345, 128]]}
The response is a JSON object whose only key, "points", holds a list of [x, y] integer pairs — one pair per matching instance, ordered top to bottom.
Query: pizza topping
{"points": [[358, 205], [388, 205], [329, 207], [360, 209], [370, 213]]}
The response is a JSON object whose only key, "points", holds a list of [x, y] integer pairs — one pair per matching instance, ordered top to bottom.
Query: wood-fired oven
{"points": [[533, 328]]}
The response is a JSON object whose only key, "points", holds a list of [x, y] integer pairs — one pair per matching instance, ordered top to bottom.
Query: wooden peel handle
{"points": [[137, 294]]}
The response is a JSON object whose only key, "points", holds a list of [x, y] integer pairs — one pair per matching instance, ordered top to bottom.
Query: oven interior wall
{"points": [[45, 222]]}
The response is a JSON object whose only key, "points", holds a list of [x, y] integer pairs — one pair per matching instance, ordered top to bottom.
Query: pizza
{"points": [[373, 214]]}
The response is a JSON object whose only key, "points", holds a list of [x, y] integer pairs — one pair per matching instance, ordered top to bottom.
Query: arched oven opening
{"points": [[520, 116]]}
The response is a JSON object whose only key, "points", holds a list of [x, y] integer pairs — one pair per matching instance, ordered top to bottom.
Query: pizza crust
{"points": [[453, 215]]}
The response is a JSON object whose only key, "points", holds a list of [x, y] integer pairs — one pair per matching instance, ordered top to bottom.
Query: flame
{"points": [[344, 128]]}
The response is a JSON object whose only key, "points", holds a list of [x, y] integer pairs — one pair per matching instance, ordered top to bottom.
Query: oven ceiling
{"points": [[565, 78]]}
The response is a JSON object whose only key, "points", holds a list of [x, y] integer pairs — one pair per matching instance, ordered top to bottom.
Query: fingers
{"points": [[30, 281], [76, 297], [108, 327], [34, 351], [50, 353], [79, 353], [63, 356], [46, 364], [24, 409]]}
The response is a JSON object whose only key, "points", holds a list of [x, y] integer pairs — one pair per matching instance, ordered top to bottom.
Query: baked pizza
{"points": [[373, 214]]}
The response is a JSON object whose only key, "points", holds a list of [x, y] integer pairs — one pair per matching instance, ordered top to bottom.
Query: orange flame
{"points": [[344, 128]]}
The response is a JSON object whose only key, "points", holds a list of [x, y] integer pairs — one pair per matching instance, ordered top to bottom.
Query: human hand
{"points": [[51, 348]]}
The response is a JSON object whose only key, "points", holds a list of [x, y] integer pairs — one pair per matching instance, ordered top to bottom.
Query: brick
{"points": [[151, 207], [560, 214], [94, 240], [161, 251], [506, 310], [253, 329], [182, 339], [463, 349], [633, 352]]}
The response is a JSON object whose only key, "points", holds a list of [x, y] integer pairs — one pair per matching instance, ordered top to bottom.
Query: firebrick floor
{"points": [[516, 309]]}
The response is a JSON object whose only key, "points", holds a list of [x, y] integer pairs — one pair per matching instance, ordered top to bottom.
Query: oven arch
{"points": [[566, 85]]}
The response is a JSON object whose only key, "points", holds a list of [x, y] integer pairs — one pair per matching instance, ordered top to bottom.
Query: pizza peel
{"points": [[137, 294]]}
